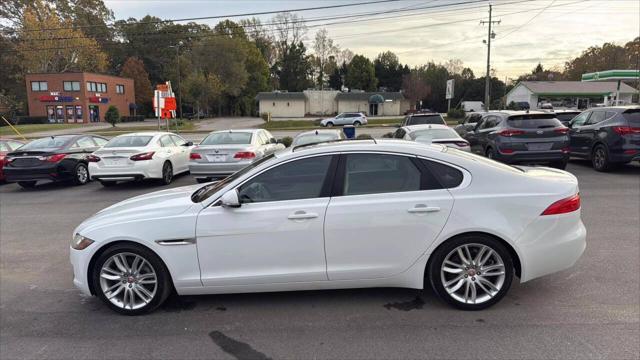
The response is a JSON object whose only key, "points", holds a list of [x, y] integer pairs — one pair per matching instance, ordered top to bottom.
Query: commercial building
{"points": [[578, 94], [78, 97], [329, 102]]}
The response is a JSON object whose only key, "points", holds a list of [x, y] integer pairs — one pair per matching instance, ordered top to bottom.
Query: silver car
{"points": [[347, 118], [433, 134], [317, 136], [222, 153]]}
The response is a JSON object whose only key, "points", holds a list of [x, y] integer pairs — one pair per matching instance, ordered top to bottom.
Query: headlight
{"points": [[80, 242]]}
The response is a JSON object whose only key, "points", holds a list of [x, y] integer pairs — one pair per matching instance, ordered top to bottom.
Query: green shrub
{"points": [[456, 113], [112, 116], [264, 116], [388, 135], [364, 137], [286, 141]]}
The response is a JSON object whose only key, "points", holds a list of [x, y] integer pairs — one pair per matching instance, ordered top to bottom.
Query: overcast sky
{"points": [[419, 31]]}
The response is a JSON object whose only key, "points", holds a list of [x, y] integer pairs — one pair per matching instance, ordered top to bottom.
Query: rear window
{"points": [[632, 116], [426, 119], [533, 121], [434, 134], [227, 138], [128, 141], [48, 143]]}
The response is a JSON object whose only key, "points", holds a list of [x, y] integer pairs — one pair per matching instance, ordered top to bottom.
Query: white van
{"points": [[469, 106]]}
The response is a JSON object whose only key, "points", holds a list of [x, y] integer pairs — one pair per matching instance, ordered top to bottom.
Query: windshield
{"points": [[426, 119], [533, 121], [434, 134], [227, 138], [313, 138], [128, 141], [48, 143], [206, 191]]}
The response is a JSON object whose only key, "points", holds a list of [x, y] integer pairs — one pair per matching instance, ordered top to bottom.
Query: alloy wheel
{"points": [[599, 158], [167, 173], [82, 174], [473, 273], [128, 281]]}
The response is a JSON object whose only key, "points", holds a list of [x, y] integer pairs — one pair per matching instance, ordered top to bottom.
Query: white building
{"points": [[569, 93], [329, 102]]}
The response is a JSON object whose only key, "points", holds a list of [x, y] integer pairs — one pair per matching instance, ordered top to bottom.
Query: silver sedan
{"points": [[436, 134], [317, 136], [222, 153]]}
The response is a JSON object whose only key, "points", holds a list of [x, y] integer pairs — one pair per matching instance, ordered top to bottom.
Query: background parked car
{"points": [[470, 106], [565, 116], [347, 118], [423, 119], [468, 123], [433, 134], [317, 136], [607, 136], [521, 137], [7, 146], [222, 153], [144, 155], [54, 158]]}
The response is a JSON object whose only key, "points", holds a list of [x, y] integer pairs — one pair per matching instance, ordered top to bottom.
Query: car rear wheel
{"points": [[357, 123], [329, 124], [490, 153], [600, 158], [167, 173], [82, 174], [27, 184], [471, 272], [131, 279]]}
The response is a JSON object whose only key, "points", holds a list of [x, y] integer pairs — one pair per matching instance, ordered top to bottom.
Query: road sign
{"points": [[449, 89]]}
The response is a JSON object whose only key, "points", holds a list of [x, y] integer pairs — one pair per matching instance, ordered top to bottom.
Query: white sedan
{"points": [[433, 134], [144, 155], [350, 214]]}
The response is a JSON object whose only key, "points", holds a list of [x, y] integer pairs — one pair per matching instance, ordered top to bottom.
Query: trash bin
{"points": [[349, 131]]}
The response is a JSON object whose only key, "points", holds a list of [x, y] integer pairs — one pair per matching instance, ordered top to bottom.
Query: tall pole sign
{"points": [[449, 94], [164, 103]]}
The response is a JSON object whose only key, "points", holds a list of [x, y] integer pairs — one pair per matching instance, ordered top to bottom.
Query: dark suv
{"points": [[423, 119], [606, 136], [521, 137]]}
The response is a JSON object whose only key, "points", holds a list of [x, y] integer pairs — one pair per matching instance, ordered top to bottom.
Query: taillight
{"points": [[626, 130], [562, 131], [510, 132], [566, 149], [506, 151], [244, 155], [142, 156], [194, 156], [55, 158], [92, 158], [563, 206]]}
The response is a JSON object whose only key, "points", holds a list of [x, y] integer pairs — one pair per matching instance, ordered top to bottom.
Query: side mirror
{"points": [[273, 140], [188, 143], [230, 199]]}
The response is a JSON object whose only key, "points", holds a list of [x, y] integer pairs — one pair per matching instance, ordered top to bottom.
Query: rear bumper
{"points": [[532, 157], [623, 157], [212, 170], [137, 171], [55, 172], [551, 244]]}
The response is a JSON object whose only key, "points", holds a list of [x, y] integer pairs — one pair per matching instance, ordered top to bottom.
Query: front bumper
{"points": [[215, 170], [550, 244], [80, 261]]}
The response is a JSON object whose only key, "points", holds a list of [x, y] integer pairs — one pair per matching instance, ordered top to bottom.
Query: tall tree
{"points": [[323, 49], [134, 69], [294, 70], [389, 71], [361, 74], [415, 87], [201, 89]]}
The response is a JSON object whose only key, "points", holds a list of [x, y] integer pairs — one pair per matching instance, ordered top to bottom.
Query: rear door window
{"points": [[596, 117], [580, 119], [100, 141], [166, 141], [83, 143], [379, 173], [447, 176]]}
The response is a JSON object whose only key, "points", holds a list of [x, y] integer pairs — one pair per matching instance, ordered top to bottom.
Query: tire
{"points": [[357, 123], [329, 124], [490, 153], [600, 158], [559, 164], [167, 173], [81, 175], [201, 181], [108, 183], [27, 184], [468, 276], [149, 284]]}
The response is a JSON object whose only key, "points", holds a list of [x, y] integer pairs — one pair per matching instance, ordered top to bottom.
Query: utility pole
{"points": [[490, 35]]}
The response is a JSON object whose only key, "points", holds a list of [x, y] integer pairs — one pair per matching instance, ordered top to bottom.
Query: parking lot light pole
{"points": [[180, 43]]}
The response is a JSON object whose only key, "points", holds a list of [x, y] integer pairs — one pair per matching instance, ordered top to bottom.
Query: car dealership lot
{"points": [[589, 311]]}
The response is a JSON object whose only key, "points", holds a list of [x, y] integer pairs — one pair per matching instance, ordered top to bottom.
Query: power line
{"points": [[529, 21]]}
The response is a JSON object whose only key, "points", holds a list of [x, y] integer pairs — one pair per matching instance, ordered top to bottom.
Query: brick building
{"points": [[78, 97]]}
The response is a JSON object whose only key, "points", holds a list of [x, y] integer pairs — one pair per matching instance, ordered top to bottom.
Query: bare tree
{"points": [[289, 29], [324, 49], [454, 66]]}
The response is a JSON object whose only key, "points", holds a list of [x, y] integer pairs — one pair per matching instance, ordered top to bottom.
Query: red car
{"points": [[7, 146]]}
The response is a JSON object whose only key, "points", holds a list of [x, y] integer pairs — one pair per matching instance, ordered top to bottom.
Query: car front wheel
{"points": [[356, 123], [329, 124], [471, 272], [131, 279]]}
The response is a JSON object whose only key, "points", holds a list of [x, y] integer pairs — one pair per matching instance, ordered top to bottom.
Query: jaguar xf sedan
{"points": [[137, 156], [349, 214]]}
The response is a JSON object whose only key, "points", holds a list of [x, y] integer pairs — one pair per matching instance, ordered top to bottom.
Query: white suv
{"points": [[348, 118]]}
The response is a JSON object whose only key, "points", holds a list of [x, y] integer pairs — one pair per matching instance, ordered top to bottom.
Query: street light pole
{"points": [[487, 82], [179, 89]]}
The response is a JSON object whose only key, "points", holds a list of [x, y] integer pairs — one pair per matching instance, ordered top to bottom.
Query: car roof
{"points": [[567, 111], [519, 112], [424, 113], [411, 128], [253, 131], [320, 131], [147, 133], [384, 145]]}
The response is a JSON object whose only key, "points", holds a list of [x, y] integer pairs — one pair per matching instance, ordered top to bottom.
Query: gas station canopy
{"points": [[612, 75]]}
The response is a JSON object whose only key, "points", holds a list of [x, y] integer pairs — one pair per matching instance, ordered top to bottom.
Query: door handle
{"points": [[422, 208], [302, 215]]}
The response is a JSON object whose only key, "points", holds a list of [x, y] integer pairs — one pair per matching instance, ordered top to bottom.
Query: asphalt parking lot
{"points": [[591, 311]]}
